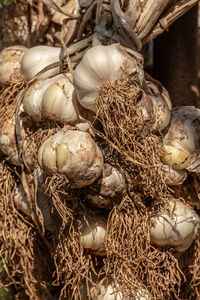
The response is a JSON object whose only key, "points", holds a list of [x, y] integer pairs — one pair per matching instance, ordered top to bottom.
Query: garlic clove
{"points": [[37, 58], [10, 59], [100, 64], [32, 101], [60, 103], [73, 153], [177, 158], [174, 176], [176, 226], [93, 233]]}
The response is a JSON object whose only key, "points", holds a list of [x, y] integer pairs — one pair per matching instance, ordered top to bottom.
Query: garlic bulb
{"points": [[37, 58], [10, 59], [104, 63], [59, 101], [32, 102], [156, 104], [181, 141], [8, 146], [73, 153], [173, 176], [105, 188], [22, 204], [176, 226], [93, 233], [107, 292]]}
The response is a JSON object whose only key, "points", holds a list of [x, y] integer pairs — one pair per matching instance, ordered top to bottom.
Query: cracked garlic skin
{"points": [[37, 58], [10, 59], [104, 63], [59, 102], [182, 142], [73, 153], [105, 188], [21, 202], [176, 226], [93, 233]]}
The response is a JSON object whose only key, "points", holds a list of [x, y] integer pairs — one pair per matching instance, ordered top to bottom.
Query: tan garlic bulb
{"points": [[37, 58], [10, 59], [104, 63], [32, 101], [59, 101], [181, 141], [8, 144], [73, 153], [174, 176], [105, 188], [21, 202], [175, 226], [93, 234]]}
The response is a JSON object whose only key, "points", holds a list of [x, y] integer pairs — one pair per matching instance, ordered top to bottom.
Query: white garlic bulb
{"points": [[37, 58], [10, 59], [104, 63], [32, 101], [59, 101], [181, 141], [73, 153], [174, 176], [105, 188], [22, 204], [176, 226], [93, 233]]}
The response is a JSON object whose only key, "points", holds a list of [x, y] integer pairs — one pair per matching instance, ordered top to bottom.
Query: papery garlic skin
{"points": [[37, 58], [10, 59], [100, 64], [32, 101], [59, 101], [182, 136], [73, 153], [174, 176], [109, 185], [22, 204], [176, 227], [93, 234]]}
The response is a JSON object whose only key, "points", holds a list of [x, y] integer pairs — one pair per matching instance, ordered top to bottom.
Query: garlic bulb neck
{"points": [[37, 58], [101, 64], [73, 153], [176, 226]]}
